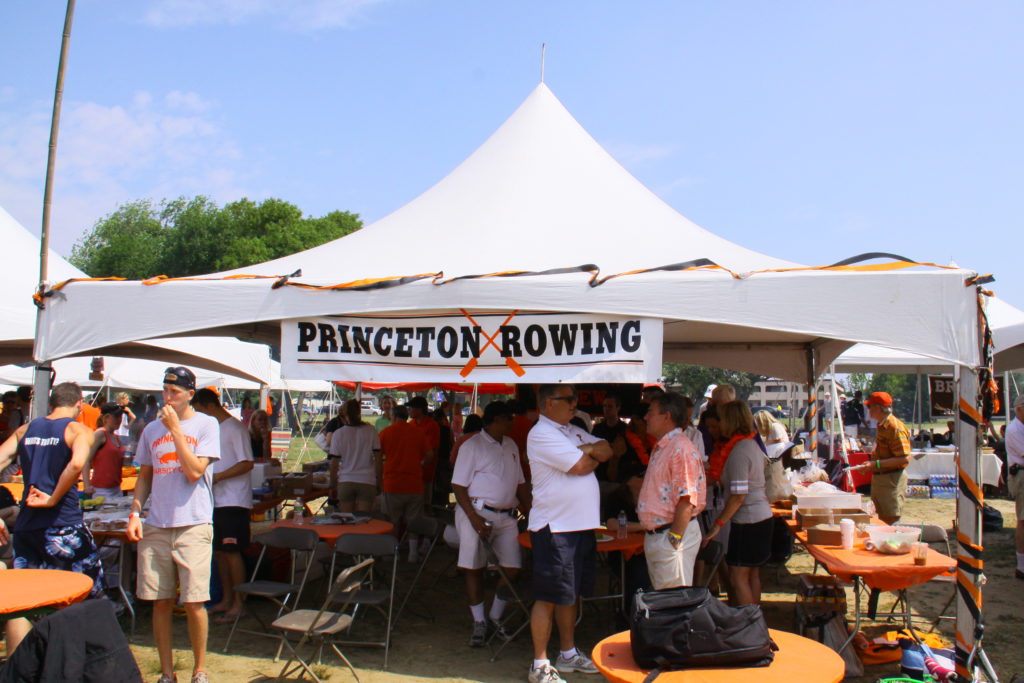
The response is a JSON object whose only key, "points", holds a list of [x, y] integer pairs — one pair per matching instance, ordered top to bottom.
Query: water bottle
{"points": [[869, 507], [298, 512], [623, 524]]}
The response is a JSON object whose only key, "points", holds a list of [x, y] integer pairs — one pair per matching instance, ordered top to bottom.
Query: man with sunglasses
{"points": [[565, 512], [176, 542]]}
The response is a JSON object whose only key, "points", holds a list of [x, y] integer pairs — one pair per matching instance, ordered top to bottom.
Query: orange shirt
{"points": [[90, 416], [521, 426], [432, 433], [404, 448]]}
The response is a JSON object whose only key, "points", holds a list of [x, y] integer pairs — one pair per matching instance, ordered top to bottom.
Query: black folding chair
{"points": [[424, 527]]}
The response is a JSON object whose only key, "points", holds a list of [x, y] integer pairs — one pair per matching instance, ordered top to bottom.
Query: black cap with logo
{"points": [[180, 376]]}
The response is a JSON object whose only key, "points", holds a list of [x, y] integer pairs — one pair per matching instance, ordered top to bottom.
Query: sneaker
{"points": [[498, 630], [479, 634], [580, 663], [545, 674], [200, 677], [164, 678]]}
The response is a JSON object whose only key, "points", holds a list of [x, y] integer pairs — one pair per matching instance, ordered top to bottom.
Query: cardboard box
{"points": [[295, 484], [814, 516], [825, 534]]}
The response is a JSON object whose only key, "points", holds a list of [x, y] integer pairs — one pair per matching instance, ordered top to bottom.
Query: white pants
{"points": [[504, 539], [671, 567]]}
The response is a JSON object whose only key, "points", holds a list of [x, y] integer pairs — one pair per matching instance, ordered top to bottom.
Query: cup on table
{"points": [[847, 530], [920, 553]]}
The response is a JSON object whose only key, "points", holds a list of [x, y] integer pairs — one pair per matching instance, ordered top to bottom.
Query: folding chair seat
{"points": [[301, 543], [379, 547], [322, 625]]}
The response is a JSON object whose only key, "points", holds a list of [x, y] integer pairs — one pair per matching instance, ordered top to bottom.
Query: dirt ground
{"points": [[432, 646]]}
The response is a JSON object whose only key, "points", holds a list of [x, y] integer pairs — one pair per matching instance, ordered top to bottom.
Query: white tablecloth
{"points": [[926, 463]]}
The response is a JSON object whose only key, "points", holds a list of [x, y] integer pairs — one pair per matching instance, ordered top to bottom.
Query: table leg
{"points": [[122, 569], [622, 580], [856, 614]]}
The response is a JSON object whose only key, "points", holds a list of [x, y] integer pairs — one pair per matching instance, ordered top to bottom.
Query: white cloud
{"points": [[302, 15], [153, 146]]}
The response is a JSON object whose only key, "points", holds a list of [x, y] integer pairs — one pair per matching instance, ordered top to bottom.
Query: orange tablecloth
{"points": [[17, 488], [329, 533], [632, 544], [882, 572], [27, 590], [798, 659]]}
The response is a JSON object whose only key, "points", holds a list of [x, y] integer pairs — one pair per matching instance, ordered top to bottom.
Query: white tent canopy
{"points": [[541, 194], [17, 282], [1006, 321], [140, 374]]}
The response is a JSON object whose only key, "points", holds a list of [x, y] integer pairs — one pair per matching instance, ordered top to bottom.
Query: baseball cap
{"points": [[181, 376], [711, 388], [880, 398], [417, 402], [111, 409]]}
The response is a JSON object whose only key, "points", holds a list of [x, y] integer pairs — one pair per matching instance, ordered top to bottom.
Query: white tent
{"points": [[539, 196], [536, 220], [17, 282], [1006, 321], [139, 374]]}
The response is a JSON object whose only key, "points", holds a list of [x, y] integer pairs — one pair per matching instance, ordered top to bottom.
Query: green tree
{"points": [[183, 236], [692, 380], [902, 388]]}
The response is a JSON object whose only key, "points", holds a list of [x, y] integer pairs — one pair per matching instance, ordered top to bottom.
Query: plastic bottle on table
{"points": [[298, 512], [623, 524]]}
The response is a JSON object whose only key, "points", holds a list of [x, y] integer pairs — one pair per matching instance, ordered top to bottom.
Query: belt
{"points": [[898, 469], [1015, 469], [506, 511], [663, 527]]}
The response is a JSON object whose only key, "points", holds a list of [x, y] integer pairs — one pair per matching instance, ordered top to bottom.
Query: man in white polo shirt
{"points": [[1015, 476], [489, 485], [565, 512], [176, 543]]}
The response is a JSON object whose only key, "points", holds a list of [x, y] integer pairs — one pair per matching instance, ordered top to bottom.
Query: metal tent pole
{"points": [[812, 406]]}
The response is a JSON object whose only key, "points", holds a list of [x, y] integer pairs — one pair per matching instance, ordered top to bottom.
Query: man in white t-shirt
{"points": [[489, 486], [232, 503], [565, 511], [176, 542]]}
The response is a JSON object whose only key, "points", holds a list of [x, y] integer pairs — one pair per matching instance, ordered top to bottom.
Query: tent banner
{"points": [[487, 347], [941, 390]]}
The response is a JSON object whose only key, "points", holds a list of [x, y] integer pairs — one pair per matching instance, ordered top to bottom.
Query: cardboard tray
{"points": [[815, 516]]}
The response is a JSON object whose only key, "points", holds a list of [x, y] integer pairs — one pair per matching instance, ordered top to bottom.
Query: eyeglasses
{"points": [[568, 399]]}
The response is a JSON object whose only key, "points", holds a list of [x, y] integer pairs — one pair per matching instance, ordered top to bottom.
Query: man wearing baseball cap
{"points": [[889, 462], [1015, 479], [176, 541]]}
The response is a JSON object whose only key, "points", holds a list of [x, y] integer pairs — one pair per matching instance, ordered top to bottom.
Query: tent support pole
{"points": [[41, 390], [359, 391], [812, 406], [1007, 406], [968, 514]]}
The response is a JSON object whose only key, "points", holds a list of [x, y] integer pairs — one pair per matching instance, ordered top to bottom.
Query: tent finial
{"points": [[542, 47]]}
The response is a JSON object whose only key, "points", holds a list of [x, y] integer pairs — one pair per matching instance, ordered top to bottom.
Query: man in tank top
{"points": [[49, 532]]}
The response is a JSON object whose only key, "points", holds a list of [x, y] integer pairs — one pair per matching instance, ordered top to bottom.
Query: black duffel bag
{"points": [[687, 628]]}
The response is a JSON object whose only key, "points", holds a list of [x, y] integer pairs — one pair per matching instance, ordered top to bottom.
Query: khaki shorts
{"points": [[1015, 484], [353, 492], [889, 492], [403, 506], [504, 540], [168, 557], [671, 567]]}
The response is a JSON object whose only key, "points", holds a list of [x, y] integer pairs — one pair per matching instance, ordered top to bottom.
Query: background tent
{"points": [[568, 216], [18, 280]]}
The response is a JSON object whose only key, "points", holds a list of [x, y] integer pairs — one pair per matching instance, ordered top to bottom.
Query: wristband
{"points": [[878, 465], [133, 514], [719, 522], [674, 535]]}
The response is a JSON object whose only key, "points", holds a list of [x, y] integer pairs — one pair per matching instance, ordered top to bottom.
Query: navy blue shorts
{"points": [[750, 545], [70, 548], [564, 565]]}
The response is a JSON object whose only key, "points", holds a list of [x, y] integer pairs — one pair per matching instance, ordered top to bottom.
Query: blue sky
{"points": [[807, 130]]}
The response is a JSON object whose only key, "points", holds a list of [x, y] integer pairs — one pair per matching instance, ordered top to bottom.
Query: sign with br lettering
{"points": [[509, 347], [942, 389]]}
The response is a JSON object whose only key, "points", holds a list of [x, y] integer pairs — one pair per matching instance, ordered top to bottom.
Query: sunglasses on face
{"points": [[568, 399]]}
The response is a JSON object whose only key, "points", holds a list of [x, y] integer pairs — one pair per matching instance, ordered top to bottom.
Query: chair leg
{"points": [[234, 625], [296, 657], [347, 663]]}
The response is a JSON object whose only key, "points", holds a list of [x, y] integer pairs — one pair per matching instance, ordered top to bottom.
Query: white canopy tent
{"points": [[554, 199], [541, 218], [21, 269]]}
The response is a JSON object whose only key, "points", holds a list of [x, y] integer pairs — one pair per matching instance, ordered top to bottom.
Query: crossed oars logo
{"points": [[473, 362]]}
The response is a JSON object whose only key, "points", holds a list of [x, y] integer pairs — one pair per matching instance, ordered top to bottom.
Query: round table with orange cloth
{"points": [[329, 533], [632, 544], [30, 591], [798, 659]]}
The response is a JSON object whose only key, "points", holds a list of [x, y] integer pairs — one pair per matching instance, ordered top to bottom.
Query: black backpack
{"points": [[686, 628]]}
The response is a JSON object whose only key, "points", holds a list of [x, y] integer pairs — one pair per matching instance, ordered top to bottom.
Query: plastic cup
{"points": [[847, 530], [920, 551]]}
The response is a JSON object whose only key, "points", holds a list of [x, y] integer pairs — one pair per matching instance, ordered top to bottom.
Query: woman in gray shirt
{"points": [[747, 506]]}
